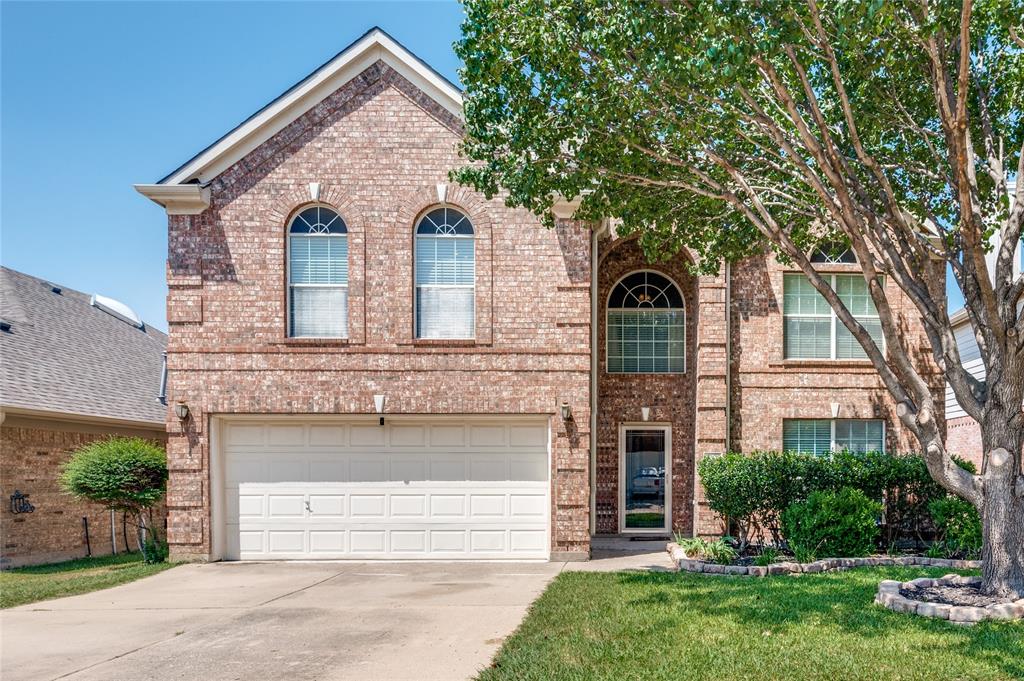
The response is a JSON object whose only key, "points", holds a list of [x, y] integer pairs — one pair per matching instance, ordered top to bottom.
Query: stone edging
{"points": [[687, 564], [890, 597]]}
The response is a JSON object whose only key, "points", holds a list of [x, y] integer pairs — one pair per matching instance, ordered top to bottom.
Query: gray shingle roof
{"points": [[63, 355]]}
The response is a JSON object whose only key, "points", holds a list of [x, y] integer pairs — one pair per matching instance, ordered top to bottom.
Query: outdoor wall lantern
{"points": [[378, 404], [181, 410], [566, 411], [645, 413]]}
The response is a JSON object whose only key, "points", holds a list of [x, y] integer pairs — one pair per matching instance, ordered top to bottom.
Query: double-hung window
{"points": [[318, 275], [445, 276], [646, 326], [812, 329], [819, 436]]}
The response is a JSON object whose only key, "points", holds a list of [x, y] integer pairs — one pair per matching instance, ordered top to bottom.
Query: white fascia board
{"points": [[374, 46], [178, 199]]}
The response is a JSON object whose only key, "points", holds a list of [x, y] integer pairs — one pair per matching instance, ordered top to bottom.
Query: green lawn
{"points": [[42, 582], [648, 626]]}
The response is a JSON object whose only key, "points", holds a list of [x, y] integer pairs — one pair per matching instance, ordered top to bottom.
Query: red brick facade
{"points": [[378, 147], [963, 439], [33, 452]]}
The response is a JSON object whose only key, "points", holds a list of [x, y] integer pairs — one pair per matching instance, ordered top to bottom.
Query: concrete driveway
{"points": [[286, 621]]}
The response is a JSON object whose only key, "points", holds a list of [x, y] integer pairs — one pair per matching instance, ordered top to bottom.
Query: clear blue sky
{"points": [[96, 97]]}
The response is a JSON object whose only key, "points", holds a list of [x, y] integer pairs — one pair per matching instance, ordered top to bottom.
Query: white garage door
{"points": [[433, 489]]}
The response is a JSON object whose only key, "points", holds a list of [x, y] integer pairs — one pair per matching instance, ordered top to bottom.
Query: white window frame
{"points": [[288, 276], [415, 293], [832, 316], [607, 319], [645, 425], [833, 444]]}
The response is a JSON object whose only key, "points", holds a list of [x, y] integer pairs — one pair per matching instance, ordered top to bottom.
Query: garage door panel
{"points": [[450, 490], [327, 505], [368, 505], [408, 506], [327, 541]]}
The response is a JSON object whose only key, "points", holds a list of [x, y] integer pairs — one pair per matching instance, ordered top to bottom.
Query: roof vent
{"points": [[53, 287], [117, 309], [5, 326]]}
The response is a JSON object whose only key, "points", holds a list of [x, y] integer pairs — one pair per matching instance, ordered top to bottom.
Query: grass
{"points": [[42, 582], [687, 626]]}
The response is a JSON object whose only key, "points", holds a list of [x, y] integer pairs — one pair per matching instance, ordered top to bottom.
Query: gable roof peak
{"points": [[376, 44]]}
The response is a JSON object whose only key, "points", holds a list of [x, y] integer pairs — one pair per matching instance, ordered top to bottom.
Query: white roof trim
{"points": [[375, 45], [178, 199]]}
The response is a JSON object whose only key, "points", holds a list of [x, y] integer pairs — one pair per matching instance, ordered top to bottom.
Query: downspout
{"points": [[594, 236]]}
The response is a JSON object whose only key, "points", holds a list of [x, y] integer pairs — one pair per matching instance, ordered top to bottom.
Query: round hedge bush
{"points": [[122, 474], [832, 525]]}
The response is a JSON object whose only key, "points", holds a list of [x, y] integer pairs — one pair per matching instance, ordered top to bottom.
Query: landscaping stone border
{"points": [[687, 564], [890, 597]]}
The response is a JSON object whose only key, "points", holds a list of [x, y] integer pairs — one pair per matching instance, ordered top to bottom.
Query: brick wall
{"points": [[378, 147], [768, 388], [620, 396], [963, 438], [32, 455]]}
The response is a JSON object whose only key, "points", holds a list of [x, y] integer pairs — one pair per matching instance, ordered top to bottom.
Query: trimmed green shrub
{"points": [[121, 474], [733, 489], [832, 525], [959, 527], [768, 555]]}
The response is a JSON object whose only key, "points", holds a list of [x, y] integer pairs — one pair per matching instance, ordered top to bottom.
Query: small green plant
{"points": [[832, 524], [958, 525], [936, 550], [716, 551], [720, 551], [768, 555]]}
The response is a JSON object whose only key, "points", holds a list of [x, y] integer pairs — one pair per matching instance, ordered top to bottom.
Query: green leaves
{"points": [[122, 474]]}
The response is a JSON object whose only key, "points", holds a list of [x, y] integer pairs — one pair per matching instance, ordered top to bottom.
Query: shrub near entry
{"points": [[833, 525]]}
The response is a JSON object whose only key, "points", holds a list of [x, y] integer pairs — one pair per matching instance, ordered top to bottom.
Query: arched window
{"points": [[833, 253], [318, 274], [445, 275], [646, 326]]}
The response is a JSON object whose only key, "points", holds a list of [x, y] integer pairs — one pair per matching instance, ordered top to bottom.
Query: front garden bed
{"points": [[690, 564], [951, 597]]}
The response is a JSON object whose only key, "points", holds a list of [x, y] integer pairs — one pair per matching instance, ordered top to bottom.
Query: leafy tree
{"points": [[728, 128], [121, 474]]}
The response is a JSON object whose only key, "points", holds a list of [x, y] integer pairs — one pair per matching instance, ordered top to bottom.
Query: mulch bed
{"points": [[953, 594]]}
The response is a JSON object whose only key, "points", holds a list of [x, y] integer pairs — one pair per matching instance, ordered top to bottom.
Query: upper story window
{"points": [[833, 254], [318, 274], [445, 275], [646, 326], [811, 328], [819, 436]]}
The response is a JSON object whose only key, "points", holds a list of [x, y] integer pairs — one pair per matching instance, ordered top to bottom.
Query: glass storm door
{"points": [[645, 469]]}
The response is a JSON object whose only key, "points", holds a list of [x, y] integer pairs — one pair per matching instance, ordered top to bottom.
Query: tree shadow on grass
{"points": [[843, 600]]}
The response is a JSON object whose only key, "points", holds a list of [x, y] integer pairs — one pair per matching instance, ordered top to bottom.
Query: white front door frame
{"points": [[654, 426]]}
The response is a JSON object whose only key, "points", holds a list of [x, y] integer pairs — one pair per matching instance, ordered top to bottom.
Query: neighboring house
{"points": [[373, 362], [73, 368], [963, 434]]}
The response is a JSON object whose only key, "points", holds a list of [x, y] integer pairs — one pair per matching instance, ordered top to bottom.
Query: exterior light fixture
{"points": [[378, 404], [181, 410], [566, 411], [645, 413]]}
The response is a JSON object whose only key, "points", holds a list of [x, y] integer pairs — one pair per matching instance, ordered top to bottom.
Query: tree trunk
{"points": [[1002, 523]]}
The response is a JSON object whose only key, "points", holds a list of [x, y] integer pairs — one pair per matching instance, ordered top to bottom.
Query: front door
{"points": [[645, 479]]}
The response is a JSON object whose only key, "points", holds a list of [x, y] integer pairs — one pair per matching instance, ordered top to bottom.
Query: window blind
{"points": [[318, 286], [445, 288], [811, 328]]}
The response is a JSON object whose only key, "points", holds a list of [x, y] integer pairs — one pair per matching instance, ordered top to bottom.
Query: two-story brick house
{"points": [[376, 363]]}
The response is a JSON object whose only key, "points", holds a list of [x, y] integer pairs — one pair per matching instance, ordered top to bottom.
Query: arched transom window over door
{"points": [[317, 274], [445, 275], [646, 326]]}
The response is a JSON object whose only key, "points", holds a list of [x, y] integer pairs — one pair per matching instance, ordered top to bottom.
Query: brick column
{"points": [[711, 397]]}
